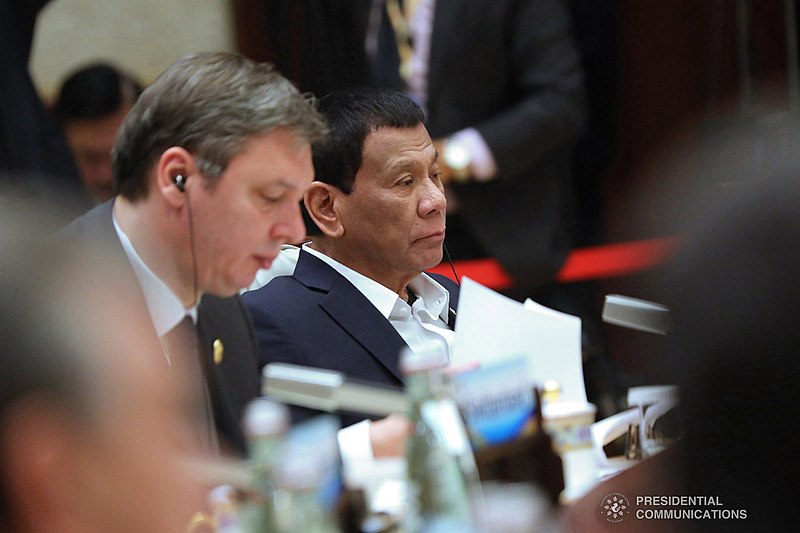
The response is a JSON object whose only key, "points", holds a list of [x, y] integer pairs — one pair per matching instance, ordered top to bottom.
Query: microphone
{"points": [[452, 266], [638, 314], [329, 390]]}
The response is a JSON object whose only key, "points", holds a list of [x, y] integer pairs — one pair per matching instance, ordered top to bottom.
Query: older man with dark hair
{"points": [[209, 166], [359, 294]]}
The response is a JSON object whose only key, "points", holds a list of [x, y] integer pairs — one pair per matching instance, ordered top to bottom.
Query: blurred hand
{"points": [[445, 172], [388, 436]]}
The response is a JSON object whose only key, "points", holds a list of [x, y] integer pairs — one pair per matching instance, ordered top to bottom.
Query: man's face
{"points": [[91, 140], [394, 219], [241, 221]]}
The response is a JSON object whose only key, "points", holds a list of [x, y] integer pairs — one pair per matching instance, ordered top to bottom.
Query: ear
{"points": [[175, 161], [323, 203], [39, 458]]}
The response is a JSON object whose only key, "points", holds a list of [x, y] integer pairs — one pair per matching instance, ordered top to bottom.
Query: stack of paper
{"points": [[491, 327]]}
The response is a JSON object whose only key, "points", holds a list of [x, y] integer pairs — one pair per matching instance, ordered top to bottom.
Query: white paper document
{"points": [[491, 327]]}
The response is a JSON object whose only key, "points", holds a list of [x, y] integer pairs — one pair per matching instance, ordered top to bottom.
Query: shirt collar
{"points": [[432, 297], [166, 309]]}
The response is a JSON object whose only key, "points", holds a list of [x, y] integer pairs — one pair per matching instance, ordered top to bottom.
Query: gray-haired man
{"points": [[209, 167]]}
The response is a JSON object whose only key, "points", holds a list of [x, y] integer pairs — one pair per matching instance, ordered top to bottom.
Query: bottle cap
{"points": [[551, 390], [265, 417], [221, 495]]}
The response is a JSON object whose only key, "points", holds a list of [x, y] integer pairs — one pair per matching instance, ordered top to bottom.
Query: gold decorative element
{"points": [[399, 17], [219, 351], [200, 521]]}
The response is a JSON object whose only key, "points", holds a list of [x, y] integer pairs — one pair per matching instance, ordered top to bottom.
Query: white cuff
{"points": [[482, 165], [355, 447]]}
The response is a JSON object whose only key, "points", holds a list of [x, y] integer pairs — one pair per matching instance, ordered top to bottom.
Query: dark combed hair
{"points": [[94, 91], [351, 115]]}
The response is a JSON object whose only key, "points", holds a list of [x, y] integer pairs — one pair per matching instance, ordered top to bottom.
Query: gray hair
{"points": [[211, 104]]}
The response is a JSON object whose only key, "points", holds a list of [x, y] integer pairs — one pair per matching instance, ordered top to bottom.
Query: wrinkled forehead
{"points": [[388, 149]]}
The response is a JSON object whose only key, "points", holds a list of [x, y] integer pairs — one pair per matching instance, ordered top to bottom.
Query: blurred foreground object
{"points": [[732, 291], [635, 313], [95, 436]]}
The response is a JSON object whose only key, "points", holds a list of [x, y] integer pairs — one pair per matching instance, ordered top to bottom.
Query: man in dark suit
{"points": [[507, 71], [519, 85], [209, 167], [359, 295]]}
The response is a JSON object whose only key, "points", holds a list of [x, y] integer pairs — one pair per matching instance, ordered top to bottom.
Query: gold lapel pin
{"points": [[219, 351]]}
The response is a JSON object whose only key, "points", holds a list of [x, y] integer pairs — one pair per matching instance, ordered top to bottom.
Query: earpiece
{"points": [[180, 182]]}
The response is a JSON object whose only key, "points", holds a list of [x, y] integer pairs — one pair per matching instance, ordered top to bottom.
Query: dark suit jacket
{"points": [[509, 68], [32, 147], [317, 318], [233, 382]]}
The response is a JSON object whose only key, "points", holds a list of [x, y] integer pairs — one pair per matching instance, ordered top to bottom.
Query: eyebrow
{"points": [[408, 164], [403, 165], [281, 182]]}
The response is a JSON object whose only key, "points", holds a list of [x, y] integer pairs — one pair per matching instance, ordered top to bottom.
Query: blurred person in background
{"points": [[502, 87], [91, 105], [32, 148], [94, 435]]}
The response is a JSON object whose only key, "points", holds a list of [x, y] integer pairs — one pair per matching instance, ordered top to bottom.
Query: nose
{"points": [[433, 199], [290, 228]]}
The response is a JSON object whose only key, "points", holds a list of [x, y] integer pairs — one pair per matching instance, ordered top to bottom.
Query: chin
{"points": [[434, 259], [230, 288]]}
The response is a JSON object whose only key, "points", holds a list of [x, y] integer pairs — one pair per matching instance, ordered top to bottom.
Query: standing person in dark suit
{"points": [[503, 90], [504, 109], [32, 148], [209, 166], [359, 294]]}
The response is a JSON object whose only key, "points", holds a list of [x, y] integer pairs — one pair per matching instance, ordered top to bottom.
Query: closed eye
{"points": [[271, 199]]}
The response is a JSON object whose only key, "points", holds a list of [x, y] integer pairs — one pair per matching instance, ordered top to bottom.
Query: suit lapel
{"points": [[352, 311]]}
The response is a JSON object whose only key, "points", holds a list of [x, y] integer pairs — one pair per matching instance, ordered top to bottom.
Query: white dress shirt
{"points": [[166, 309]]}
